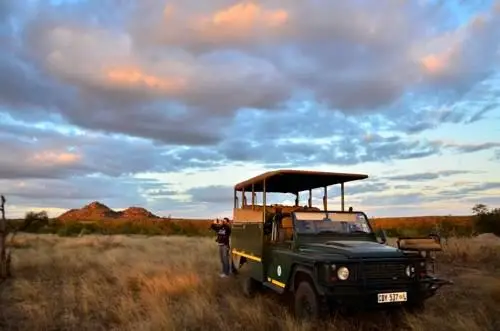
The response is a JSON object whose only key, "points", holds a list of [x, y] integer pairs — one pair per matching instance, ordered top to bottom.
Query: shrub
{"points": [[34, 221], [483, 221], [486, 221]]}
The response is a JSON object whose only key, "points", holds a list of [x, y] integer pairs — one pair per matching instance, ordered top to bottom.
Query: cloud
{"points": [[183, 65], [115, 90], [479, 115], [471, 148], [344, 150], [46, 153], [425, 176], [474, 188], [357, 189], [62, 193], [162, 193], [212, 194], [56, 195], [419, 196], [404, 198], [397, 199], [492, 201]]}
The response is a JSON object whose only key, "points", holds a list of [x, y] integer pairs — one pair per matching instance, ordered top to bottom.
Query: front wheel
{"points": [[250, 287], [307, 303]]}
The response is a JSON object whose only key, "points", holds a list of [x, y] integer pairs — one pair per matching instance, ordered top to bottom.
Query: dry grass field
{"points": [[171, 283]]}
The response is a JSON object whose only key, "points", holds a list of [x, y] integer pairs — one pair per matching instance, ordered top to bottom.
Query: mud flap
{"points": [[432, 284]]}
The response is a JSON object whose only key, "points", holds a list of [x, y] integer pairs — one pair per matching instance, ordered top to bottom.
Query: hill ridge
{"points": [[99, 211]]}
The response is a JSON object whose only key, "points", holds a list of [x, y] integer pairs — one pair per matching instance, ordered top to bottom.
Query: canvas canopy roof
{"points": [[293, 181]]}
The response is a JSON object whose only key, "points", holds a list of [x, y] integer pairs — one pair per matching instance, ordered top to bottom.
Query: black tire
{"points": [[251, 287], [308, 305]]}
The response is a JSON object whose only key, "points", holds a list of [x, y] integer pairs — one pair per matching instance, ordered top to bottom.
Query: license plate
{"points": [[392, 297]]}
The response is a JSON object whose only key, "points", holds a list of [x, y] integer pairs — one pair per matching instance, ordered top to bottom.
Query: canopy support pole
{"points": [[253, 196], [235, 198], [325, 198], [243, 199], [264, 199], [342, 204]]}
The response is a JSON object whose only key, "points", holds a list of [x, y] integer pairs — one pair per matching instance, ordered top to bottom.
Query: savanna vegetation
{"points": [[482, 220], [34, 223], [162, 274], [168, 283]]}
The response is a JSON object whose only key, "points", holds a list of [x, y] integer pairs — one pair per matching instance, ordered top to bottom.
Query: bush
{"points": [[34, 221], [483, 221], [486, 221], [143, 227]]}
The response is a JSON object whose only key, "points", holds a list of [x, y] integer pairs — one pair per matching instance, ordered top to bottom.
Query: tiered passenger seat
{"points": [[284, 209], [286, 230]]}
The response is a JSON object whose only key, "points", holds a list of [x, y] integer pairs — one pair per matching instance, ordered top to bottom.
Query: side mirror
{"points": [[383, 236]]}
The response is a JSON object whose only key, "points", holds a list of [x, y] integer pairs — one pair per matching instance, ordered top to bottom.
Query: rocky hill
{"points": [[97, 211], [136, 213]]}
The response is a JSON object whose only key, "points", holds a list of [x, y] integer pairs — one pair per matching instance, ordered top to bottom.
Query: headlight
{"points": [[410, 271], [343, 273]]}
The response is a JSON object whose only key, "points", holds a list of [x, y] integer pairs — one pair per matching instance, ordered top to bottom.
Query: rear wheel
{"points": [[308, 304]]}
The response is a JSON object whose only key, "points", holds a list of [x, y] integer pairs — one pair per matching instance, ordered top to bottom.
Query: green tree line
{"points": [[485, 220], [41, 224]]}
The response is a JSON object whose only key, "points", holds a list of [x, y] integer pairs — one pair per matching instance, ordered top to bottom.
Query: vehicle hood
{"points": [[351, 249]]}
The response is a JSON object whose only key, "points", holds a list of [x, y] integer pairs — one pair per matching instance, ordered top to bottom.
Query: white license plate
{"points": [[392, 297]]}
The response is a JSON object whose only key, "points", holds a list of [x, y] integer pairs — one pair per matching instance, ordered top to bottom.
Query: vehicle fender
{"points": [[309, 272]]}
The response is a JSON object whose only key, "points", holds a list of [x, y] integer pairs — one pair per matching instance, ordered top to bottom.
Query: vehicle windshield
{"points": [[331, 222]]}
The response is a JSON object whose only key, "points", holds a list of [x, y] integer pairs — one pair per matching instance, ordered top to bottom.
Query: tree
{"points": [[479, 209], [34, 216], [486, 221]]}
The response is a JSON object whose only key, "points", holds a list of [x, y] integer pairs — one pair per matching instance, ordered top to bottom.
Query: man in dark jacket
{"points": [[223, 231]]}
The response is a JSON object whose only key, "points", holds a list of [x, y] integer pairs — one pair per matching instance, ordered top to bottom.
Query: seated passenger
{"points": [[278, 217]]}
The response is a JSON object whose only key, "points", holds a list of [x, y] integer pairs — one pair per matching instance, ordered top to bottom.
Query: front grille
{"points": [[382, 273]]}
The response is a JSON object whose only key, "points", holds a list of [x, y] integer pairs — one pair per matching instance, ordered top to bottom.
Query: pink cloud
{"points": [[54, 158]]}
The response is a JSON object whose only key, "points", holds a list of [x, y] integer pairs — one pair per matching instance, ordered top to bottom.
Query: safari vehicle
{"points": [[322, 258]]}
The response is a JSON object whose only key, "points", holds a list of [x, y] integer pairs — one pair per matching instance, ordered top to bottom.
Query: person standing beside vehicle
{"points": [[223, 231]]}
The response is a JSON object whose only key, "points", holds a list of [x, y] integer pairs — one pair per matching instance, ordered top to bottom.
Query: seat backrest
{"points": [[286, 223], [286, 231]]}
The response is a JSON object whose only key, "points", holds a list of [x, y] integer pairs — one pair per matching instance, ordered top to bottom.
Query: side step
{"points": [[273, 287]]}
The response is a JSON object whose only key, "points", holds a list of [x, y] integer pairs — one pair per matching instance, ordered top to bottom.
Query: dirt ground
{"points": [[171, 283]]}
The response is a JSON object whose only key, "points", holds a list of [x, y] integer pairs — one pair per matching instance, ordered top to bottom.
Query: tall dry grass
{"points": [[171, 283]]}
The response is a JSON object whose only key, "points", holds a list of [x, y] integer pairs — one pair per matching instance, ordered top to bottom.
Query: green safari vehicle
{"points": [[325, 259]]}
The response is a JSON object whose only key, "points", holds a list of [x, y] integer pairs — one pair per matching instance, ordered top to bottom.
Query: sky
{"points": [[168, 104]]}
